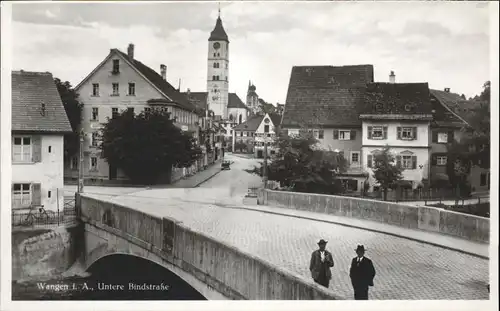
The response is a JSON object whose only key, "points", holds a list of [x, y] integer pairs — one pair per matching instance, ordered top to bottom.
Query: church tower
{"points": [[218, 70]]}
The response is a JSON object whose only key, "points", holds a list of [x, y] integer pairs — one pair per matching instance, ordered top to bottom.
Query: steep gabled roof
{"points": [[218, 33], [157, 80], [29, 91], [325, 95], [197, 98], [391, 99], [235, 102], [443, 115], [275, 118], [252, 124]]}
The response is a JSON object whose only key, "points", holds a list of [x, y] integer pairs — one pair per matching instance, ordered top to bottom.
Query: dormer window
{"points": [[42, 109]]}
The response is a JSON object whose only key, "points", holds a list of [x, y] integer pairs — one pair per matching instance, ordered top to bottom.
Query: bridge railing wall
{"points": [[433, 219], [137, 224], [230, 271]]}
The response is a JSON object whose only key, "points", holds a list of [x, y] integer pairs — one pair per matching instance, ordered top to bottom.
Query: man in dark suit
{"points": [[321, 262], [362, 273]]}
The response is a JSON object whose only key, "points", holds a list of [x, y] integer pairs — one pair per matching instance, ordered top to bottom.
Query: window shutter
{"points": [[370, 132], [385, 132], [399, 132], [415, 133], [335, 134], [353, 135], [434, 136], [450, 136], [37, 148], [434, 159], [370, 160], [398, 161], [414, 162], [36, 195]]}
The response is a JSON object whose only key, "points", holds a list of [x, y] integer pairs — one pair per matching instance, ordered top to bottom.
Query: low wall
{"points": [[461, 225], [235, 274]]}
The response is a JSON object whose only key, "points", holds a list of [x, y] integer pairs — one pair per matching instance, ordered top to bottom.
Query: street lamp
{"points": [[265, 162], [80, 165]]}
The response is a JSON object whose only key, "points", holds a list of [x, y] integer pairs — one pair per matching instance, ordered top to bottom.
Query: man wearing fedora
{"points": [[321, 262], [362, 273]]}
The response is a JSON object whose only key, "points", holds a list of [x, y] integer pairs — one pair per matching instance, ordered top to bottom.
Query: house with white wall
{"points": [[118, 83], [326, 101], [398, 115], [39, 123], [266, 133]]}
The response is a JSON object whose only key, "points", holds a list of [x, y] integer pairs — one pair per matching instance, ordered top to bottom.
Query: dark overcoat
{"points": [[316, 264]]}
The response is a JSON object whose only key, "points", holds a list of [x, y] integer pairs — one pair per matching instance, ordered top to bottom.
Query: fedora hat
{"points": [[322, 242], [360, 248]]}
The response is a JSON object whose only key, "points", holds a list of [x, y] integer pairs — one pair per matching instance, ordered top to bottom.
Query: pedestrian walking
{"points": [[321, 262], [362, 273]]}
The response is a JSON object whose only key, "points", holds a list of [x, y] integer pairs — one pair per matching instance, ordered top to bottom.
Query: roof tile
{"points": [[29, 91], [325, 95]]}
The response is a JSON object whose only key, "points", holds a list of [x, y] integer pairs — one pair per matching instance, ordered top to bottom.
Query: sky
{"points": [[443, 43]]}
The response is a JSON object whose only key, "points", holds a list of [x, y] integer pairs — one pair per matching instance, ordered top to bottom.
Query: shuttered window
{"points": [[22, 149]]}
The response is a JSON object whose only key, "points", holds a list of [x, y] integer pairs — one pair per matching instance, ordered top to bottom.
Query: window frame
{"points": [[116, 65], [131, 86], [95, 89], [117, 93], [114, 112], [94, 114], [377, 129], [407, 130], [343, 133], [439, 136], [22, 151], [358, 153], [405, 157], [441, 163], [91, 168], [21, 192]]}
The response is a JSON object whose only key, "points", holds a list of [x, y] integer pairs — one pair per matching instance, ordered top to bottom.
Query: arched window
{"points": [[215, 54], [218, 54], [215, 65], [213, 77], [217, 78], [230, 117], [240, 118]]}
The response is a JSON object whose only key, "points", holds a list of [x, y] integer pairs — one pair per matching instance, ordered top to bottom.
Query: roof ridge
{"points": [[39, 73]]}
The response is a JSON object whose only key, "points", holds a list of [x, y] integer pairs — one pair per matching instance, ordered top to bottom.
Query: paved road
{"points": [[405, 269]]}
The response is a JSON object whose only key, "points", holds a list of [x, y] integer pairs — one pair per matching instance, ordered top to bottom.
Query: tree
{"points": [[265, 107], [73, 109], [147, 146], [458, 165], [300, 166], [385, 171]]}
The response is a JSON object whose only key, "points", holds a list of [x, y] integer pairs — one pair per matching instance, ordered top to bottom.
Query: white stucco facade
{"points": [[98, 107], [412, 151], [48, 171]]}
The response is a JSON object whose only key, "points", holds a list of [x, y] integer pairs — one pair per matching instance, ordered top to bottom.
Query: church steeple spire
{"points": [[218, 34]]}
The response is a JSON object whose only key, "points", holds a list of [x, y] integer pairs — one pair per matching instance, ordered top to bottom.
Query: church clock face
{"points": [[216, 45]]}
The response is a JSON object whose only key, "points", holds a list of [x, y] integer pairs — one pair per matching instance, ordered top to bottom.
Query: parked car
{"points": [[226, 165]]}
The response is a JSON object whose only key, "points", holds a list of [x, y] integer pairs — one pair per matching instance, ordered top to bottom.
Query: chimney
{"points": [[130, 51], [163, 70], [392, 77], [447, 89]]}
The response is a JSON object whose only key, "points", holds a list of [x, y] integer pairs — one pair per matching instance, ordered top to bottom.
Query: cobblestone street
{"points": [[405, 269]]}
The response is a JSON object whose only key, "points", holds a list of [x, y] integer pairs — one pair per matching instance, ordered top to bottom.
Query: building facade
{"points": [[118, 83], [326, 101], [398, 116], [39, 123], [266, 134]]}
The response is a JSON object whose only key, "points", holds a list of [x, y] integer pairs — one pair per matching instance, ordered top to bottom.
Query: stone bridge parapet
{"points": [[230, 271]]}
